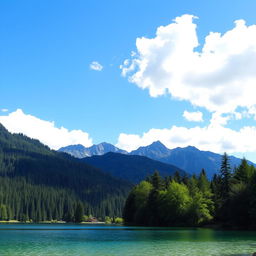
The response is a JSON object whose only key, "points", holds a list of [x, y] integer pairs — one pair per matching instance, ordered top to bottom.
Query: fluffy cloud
{"points": [[96, 66], [220, 77], [4, 110], [193, 116], [45, 131], [215, 138]]}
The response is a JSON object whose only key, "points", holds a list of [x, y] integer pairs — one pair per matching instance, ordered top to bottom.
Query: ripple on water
{"points": [[110, 241]]}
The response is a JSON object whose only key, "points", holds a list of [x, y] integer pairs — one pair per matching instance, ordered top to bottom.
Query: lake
{"points": [[108, 240]]}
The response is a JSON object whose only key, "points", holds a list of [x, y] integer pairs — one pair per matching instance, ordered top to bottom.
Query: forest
{"points": [[38, 184], [228, 200]]}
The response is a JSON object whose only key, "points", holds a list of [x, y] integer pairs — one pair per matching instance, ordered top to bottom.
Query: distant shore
{"points": [[48, 222]]}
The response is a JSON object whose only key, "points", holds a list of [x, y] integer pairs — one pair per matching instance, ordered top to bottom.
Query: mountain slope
{"points": [[80, 151], [156, 151], [190, 159], [26, 163], [133, 168]]}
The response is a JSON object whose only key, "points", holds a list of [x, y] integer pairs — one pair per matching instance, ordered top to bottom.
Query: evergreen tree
{"points": [[244, 172], [225, 174], [177, 177], [156, 181], [217, 197], [152, 206], [3, 212], [79, 213]]}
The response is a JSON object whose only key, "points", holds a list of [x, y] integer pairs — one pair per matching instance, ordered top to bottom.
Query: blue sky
{"points": [[46, 51]]}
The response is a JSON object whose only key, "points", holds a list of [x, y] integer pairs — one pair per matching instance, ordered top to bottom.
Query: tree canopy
{"points": [[229, 199]]}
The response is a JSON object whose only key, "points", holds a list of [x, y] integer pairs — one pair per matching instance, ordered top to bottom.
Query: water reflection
{"points": [[103, 240]]}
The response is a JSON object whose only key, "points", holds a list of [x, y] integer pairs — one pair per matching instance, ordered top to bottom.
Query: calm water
{"points": [[104, 240]]}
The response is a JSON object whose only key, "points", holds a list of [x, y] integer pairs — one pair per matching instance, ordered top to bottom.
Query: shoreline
{"points": [[49, 222], [214, 227]]}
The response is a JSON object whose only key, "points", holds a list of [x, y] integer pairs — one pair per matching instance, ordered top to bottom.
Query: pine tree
{"points": [[244, 172], [225, 174], [177, 177], [156, 181], [203, 183], [3, 212], [79, 213]]}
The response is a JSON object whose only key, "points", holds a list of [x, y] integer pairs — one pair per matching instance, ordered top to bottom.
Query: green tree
{"points": [[244, 172], [225, 173], [176, 177], [156, 181], [203, 183], [217, 196], [175, 203], [135, 206], [130, 209], [200, 209], [3, 212], [238, 212], [79, 213]]}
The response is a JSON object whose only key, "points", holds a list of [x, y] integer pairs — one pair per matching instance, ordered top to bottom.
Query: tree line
{"points": [[38, 184], [228, 200]]}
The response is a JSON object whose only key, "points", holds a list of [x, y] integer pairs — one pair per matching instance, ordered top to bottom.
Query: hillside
{"points": [[131, 168], [39, 183]]}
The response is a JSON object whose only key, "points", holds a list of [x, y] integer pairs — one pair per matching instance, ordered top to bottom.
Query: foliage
{"points": [[225, 173], [228, 200], [173, 204], [79, 213]]}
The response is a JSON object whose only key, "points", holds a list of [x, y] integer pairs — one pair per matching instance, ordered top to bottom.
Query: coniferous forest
{"points": [[39, 184], [228, 200]]}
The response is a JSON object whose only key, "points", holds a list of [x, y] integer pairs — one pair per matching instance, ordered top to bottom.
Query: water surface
{"points": [[107, 240]]}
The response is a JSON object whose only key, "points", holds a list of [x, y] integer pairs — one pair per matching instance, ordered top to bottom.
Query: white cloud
{"points": [[96, 66], [220, 77], [4, 110], [193, 116], [218, 119], [45, 131], [213, 138]]}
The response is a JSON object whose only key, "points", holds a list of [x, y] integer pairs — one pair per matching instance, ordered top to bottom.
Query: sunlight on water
{"points": [[115, 240]]}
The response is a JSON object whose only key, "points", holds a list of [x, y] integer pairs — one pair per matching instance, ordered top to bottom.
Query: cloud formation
{"points": [[96, 66], [220, 77], [4, 110], [193, 116], [45, 131], [217, 138]]}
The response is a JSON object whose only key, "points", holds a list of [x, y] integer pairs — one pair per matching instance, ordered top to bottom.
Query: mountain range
{"points": [[80, 151], [189, 159]]}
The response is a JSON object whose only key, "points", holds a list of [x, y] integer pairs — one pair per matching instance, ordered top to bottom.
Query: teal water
{"points": [[107, 240]]}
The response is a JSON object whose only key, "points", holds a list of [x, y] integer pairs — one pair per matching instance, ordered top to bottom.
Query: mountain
{"points": [[80, 151], [156, 151], [190, 159], [133, 168], [38, 183]]}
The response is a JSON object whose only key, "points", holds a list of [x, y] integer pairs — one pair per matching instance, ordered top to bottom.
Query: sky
{"points": [[130, 73]]}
